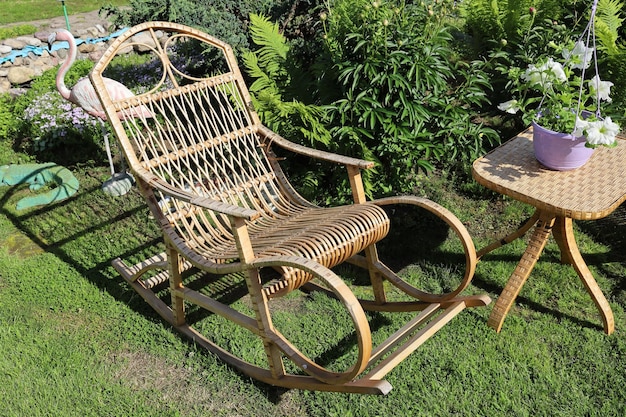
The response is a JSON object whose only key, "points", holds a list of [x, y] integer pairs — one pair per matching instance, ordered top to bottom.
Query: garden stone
{"points": [[100, 28], [93, 31], [42, 35], [29, 40], [144, 41], [14, 43], [86, 48], [5, 49], [126, 50], [96, 55], [20, 75], [5, 86]]}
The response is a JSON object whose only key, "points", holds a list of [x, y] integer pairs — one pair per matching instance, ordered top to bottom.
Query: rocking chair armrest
{"points": [[275, 138], [196, 200]]}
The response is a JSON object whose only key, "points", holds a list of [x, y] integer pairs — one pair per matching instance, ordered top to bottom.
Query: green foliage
{"points": [[224, 19], [489, 21], [609, 25], [15, 31], [538, 41], [277, 83], [388, 87], [407, 100], [276, 105], [8, 123]]}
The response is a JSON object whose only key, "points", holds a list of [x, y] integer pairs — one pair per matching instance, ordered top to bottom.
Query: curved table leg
{"points": [[564, 236], [525, 266]]}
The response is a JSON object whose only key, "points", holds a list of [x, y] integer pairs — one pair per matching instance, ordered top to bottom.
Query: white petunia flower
{"points": [[579, 57], [546, 74], [601, 89], [509, 106], [580, 127], [602, 132]]}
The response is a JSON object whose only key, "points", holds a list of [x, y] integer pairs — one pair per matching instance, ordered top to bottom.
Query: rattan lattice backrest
{"points": [[196, 132]]}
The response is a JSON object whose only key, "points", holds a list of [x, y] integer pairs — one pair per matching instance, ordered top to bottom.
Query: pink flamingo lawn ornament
{"points": [[84, 95]]}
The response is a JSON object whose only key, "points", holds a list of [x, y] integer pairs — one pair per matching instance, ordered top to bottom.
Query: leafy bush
{"points": [[224, 19], [490, 21], [609, 27], [387, 87], [279, 95], [407, 99], [8, 123]]}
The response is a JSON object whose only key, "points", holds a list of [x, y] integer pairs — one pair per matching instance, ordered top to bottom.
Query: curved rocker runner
{"points": [[207, 169]]}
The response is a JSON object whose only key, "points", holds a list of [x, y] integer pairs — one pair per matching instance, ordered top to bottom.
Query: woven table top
{"points": [[590, 192]]}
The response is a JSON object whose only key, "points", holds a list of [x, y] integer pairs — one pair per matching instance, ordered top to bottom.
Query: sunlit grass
{"points": [[12, 11], [77, 341]]}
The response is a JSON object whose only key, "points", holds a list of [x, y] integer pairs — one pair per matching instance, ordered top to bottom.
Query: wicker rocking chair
{"points": [[206, 167]]}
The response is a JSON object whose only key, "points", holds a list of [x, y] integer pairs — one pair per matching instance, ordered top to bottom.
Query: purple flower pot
{"points": [[559, 151]]}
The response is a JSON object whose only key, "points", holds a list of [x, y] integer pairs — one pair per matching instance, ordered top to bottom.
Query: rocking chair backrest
{"points": [[198, 133]]}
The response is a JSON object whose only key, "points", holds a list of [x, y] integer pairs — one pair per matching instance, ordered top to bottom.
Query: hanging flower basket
{"points": [[568, 103], [560, 151]]}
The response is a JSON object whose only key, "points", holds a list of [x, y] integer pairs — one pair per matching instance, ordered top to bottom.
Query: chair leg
{"points": [[376, 278], [176, 284], [264, 321]]}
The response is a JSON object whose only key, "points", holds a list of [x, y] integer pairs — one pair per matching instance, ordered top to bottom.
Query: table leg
{"points": [[564, 236], [510, 237], [525, 266]]}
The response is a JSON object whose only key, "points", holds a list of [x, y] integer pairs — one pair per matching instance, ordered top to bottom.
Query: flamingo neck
{"points": [[69, 61]]}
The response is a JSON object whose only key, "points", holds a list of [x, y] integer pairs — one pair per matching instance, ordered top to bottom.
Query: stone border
{"points": [[34, 57]]}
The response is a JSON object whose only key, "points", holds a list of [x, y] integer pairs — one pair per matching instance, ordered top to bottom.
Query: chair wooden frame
{"points": [[206, 167]]}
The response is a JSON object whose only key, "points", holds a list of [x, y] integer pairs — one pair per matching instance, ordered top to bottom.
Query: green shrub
{"points": [[224, 19], [490, 21], [15, 31], [386, 86], [279, 97], [406, 99], [8, 123]]}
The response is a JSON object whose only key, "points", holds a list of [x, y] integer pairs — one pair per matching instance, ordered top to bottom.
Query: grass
{"points": [[13, 11], [77, 341]]}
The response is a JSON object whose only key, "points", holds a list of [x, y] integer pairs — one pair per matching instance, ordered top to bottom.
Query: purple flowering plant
{"points": [[51, 120]]}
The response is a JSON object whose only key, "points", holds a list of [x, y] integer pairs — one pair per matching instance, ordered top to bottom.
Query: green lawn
{"points": [[12, 11], [77, 341]]}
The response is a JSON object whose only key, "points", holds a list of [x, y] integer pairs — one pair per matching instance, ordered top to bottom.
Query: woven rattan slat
{"points": [[590, 192]]}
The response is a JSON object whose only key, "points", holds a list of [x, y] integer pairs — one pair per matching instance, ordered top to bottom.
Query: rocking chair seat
{"points": [[328, 236]]}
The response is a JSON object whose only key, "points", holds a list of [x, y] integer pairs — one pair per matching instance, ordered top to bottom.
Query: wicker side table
{"points": [[587, 193]]}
